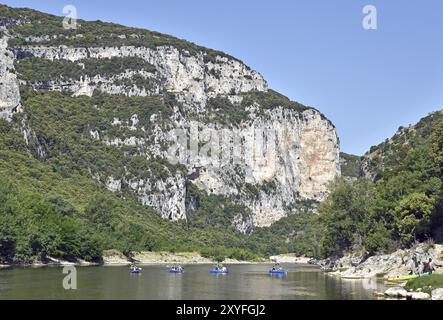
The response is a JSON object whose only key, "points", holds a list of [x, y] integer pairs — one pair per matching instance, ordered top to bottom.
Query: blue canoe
{"points": [[173, 270], [135, 271], [218, 271], [278, 271]]}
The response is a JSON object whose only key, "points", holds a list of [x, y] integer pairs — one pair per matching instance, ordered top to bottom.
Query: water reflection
{"points": [[155, 282]]}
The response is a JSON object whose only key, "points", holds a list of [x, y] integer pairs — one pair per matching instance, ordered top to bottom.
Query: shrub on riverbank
{"points": [[427, 283]]}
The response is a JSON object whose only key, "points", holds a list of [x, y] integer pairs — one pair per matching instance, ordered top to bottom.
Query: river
{"points": [[250, 281]]}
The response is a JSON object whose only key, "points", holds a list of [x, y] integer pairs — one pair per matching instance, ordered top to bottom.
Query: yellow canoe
{"points": [[406, 278]]}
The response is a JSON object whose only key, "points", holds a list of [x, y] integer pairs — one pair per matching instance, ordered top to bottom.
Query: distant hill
{"points": [[386, 156]]}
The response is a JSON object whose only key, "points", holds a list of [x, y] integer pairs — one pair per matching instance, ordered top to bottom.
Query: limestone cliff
{"points": [[9, 92], [280, 154]]}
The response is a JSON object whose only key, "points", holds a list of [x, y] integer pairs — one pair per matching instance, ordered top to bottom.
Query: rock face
{"points": [[182, 73], [9, 91], [253, 147], [296, 160]]}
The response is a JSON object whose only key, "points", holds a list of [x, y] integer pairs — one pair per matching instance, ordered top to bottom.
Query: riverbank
{"points": [[114, 257], [117, 258], [289, 258], [49, 262], [400, 263], [396, 264], [421, 288]]}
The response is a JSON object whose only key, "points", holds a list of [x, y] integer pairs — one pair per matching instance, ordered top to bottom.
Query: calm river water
{"points": [[155, 282]]}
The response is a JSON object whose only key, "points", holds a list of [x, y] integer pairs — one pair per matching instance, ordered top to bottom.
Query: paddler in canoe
{"points": [[220, 267], [277, 267], [177, 268], [134, 269]]}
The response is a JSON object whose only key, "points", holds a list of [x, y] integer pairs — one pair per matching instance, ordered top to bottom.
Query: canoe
{"points": [[172, 270], [135, 271], [218, 271], [278, 271], [353, 277], [406, 278]]}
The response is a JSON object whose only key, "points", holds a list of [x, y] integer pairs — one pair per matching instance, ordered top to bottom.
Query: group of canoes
{"points": [[218, 269]]}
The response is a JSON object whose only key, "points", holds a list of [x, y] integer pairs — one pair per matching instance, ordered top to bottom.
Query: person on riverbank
{"points": [[431, 266], [421, 268]]}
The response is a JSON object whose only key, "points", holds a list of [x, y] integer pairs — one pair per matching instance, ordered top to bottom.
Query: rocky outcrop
{"points": [[183, 73], [120, 84], [9, 90], [167, 195], [399, 263]]}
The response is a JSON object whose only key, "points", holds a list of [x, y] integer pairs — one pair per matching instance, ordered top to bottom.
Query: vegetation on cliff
{"points": [[33, 25], [32, 69], [383, 158], [350, 165], [51, 210]]}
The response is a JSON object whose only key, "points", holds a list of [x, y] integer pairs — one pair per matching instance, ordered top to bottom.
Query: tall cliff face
{"points": [[9, 91], [254, 147]]}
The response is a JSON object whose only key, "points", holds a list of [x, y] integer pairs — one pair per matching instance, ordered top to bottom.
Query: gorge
{"points": [[118, 138]]}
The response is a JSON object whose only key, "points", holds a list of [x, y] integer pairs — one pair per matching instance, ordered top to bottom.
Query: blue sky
{"points": [[368, 82]]}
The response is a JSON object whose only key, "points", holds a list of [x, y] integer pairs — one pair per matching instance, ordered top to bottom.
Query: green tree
{"points": [[437, 146], [414, 212], [345, 215], [378, 238]]}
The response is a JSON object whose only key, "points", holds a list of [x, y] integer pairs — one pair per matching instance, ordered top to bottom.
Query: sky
{"points": [[316, 52]]}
